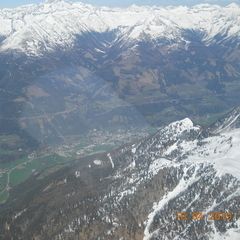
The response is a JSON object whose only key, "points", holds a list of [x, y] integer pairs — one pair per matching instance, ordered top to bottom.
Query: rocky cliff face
{"points": [[136, 191]]}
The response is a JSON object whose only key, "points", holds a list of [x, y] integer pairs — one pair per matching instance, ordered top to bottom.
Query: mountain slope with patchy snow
{"points": [[137, 190]]}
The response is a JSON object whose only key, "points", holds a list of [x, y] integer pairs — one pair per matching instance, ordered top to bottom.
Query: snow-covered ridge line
{"points": [[35, 27], [220, 150]]}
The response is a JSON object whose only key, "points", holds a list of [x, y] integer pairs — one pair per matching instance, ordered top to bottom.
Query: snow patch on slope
{"points": [[221, 151], [111, 161], [182, 186], [231, 234]]}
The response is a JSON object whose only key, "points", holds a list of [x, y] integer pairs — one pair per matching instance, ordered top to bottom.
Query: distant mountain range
{"points": [[37, 29], [68, 67], [137, 191]]}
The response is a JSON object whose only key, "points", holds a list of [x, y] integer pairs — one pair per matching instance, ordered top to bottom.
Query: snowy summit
{"points": [[43, 27]]}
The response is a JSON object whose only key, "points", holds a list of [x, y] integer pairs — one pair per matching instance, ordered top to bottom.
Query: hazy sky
{"points": [[13, 3]]}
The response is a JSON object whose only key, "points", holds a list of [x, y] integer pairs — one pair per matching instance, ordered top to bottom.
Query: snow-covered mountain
{"points": [[43, 27], [203, 171], [136, 191]]}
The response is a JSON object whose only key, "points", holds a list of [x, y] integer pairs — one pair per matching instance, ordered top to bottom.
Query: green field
{"points": [[102, 148], [5, 152], [11, 164], [20, 170], [25, 170], [3, 181], [3, 196]]}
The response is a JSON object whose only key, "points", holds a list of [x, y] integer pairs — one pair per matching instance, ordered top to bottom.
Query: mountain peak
{"points": [[53, 1], [57, 2], [59, 22]]}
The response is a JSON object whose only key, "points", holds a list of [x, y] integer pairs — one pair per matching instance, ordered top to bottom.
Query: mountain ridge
{"points": [[29, 21], [136, 191]]}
